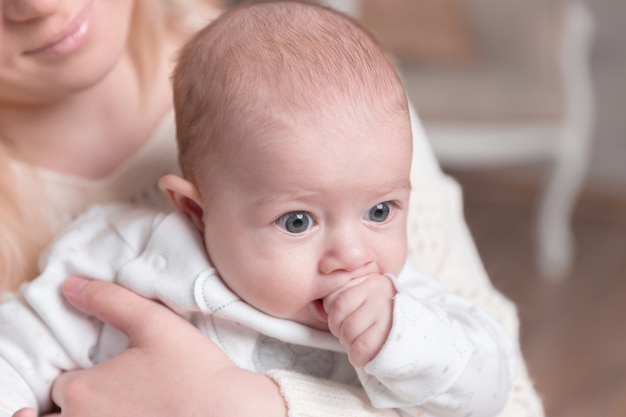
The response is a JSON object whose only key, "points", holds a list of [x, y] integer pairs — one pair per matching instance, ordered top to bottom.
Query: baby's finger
{"points": [[329, 300], [342, 306], [355, 324], [367, 345], [25, 412]]}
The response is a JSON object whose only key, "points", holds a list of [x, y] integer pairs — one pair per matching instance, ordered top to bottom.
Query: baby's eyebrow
{"points": [[399, 186], [277, 195], [272, 198]]}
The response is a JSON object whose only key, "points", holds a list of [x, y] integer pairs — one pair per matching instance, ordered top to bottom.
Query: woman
{"points": [[79, 100], [85, 117]]}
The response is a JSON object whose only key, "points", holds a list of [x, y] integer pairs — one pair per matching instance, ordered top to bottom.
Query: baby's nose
{"points": [[347, 251]]}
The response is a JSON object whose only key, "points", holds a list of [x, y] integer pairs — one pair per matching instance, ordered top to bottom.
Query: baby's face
{"points": [[312, 209]]}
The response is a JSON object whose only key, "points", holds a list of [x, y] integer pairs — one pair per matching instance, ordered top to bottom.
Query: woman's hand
{"points": [[169, 368]]}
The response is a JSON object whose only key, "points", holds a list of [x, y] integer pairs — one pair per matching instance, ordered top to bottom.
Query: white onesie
{"points": [[444, 355]]}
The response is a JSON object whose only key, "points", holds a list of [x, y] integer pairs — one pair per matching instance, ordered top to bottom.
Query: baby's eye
{"points": [[379, 213], [295, 222]]}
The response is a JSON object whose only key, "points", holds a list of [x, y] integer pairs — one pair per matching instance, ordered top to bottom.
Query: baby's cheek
{"points": [[396, 261], [279, 300]]}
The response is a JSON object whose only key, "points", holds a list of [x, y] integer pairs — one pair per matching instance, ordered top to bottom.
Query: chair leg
{"points": [[555, 237], [555, 245]]}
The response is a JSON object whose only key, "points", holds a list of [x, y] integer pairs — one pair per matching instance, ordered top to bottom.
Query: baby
{"points": [[288, 247]]}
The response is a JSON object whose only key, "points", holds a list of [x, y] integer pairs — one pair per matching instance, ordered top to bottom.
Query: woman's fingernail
{"points": [[73, 285]]}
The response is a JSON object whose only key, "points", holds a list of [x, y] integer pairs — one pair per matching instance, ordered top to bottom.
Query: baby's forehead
{"points": [[327, 125]]}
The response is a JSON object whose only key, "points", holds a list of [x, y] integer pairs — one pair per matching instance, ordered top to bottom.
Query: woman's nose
{"points": [[24, 10], [346, 251]]}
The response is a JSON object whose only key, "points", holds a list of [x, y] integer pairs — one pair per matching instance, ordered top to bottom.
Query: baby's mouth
{"points": [[319, 307]]}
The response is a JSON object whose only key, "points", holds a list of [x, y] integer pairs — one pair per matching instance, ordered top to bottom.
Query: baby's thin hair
{"points": [[262, 60]]}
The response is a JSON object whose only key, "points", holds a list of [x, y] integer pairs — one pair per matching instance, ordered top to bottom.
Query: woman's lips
{"points": [[68, 40]]}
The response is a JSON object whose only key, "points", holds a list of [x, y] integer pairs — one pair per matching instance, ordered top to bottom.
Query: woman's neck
{"points": [[93, 132]]}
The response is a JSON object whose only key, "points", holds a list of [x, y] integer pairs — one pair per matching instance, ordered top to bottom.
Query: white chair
{"points": [[527, 97]]}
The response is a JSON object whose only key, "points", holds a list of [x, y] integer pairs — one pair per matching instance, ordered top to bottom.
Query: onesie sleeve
{"points": [[441, 246], [41, 335], [444, 355], [30, 358], [11, 381]]}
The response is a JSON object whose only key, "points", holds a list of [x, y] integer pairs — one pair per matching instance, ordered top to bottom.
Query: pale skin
{"points": [[71, 102], [74, 105], [311, 225], [349, 246], [97, 391]]}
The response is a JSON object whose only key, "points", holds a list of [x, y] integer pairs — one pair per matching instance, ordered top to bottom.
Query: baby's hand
{"points": [[360, 315], [25, 412]]}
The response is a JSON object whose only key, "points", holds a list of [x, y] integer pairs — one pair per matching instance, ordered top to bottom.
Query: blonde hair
{"points": [[150, 22], [261, 59], [25, 226], [23, 230]]}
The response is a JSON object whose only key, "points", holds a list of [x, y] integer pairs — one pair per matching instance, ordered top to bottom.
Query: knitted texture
{"points": [[306, 397]]}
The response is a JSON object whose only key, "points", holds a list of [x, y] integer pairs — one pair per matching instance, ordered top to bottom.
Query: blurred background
{"points": [[524, 103]]}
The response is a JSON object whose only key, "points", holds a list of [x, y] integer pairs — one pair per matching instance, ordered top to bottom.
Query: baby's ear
{"points": [[186, 198]]}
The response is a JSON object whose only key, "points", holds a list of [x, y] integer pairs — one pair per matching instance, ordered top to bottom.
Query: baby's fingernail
{"points": [[74, 285]]}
